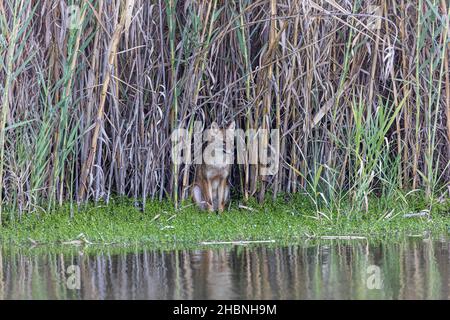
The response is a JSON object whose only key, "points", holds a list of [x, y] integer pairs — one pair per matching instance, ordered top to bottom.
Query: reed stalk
{"points": [[87, 114]]}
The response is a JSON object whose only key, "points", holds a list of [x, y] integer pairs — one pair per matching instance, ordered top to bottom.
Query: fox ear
{"points": [[214, 126], [232, 126]]}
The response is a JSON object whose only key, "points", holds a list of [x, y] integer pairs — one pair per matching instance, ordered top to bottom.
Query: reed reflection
{"points": [[412, 269]]}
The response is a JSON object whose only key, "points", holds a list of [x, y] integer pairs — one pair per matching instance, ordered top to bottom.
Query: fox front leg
{"points": [[227, 194], [222, 195], [209, 200]]}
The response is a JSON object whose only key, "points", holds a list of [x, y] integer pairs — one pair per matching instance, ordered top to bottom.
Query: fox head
{"points": [[217, 133], [220, 144]]}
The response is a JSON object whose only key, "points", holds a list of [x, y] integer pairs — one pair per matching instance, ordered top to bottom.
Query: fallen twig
{"points": [[241, 206], [423, 213], [342, 238], [80, 240], [236, 242]]}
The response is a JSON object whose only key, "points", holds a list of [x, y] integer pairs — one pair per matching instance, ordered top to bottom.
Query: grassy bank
{"points": [[159, 225]]}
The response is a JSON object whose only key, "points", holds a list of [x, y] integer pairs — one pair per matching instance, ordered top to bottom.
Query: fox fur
{"points": [[211, 190]]}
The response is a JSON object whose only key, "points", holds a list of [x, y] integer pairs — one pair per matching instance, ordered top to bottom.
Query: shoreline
{"points": [[161, 226]]}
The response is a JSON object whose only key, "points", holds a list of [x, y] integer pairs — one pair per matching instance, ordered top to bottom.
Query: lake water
{"points": [[412, 268]]}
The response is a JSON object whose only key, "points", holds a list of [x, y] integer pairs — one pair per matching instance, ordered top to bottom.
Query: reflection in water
{"points": [[411, 269]]}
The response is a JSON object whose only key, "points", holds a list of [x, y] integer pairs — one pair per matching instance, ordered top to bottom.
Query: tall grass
{"points": [[361, 99]]}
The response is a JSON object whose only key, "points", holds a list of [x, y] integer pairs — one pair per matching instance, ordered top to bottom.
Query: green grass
{"points": [[160, 225]]}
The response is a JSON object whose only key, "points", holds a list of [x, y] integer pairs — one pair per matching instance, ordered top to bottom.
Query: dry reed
{"points": [[361, 100]]}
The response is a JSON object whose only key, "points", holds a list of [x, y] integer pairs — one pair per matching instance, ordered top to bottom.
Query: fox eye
{"points": [[214, 126]]}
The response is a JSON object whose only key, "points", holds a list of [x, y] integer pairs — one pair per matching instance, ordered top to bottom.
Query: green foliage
{"points": [[159, 225]]}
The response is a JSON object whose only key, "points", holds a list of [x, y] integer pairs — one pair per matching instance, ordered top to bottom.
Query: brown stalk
{"points": [[109, 69]]}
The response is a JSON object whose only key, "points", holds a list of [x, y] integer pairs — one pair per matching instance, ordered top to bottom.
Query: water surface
{"points": [[412, 268]]}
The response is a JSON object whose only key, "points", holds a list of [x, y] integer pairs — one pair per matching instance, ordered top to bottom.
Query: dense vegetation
{"points": [[360, 91]]}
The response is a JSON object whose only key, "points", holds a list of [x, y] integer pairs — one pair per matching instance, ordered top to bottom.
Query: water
{"points": [[412, 268]]}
